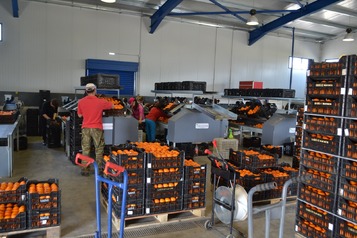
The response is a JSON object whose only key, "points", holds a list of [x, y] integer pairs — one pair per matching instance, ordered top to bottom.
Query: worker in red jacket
{"points": [[91, 109], [151, 118]]}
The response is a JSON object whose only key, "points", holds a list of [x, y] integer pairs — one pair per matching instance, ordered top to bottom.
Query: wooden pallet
{"points": [[150, 219], [50, 232]]}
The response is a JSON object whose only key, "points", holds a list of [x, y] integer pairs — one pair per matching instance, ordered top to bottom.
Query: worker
{"points": [[137, 108], [91, 109], [48, 113], [151, 118]]}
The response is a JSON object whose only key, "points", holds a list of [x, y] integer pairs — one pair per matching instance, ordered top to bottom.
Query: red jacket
{"points": [[155, 113]]}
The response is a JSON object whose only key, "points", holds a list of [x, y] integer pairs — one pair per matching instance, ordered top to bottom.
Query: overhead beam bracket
{"points": [[15, 8], [162, 12], [258, 33]]}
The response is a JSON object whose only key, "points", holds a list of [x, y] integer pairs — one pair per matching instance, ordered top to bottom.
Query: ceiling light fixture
{"points": [[109, 1], [252, 20], [348, 36]]}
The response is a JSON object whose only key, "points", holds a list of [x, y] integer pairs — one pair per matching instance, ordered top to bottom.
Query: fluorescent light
{"points": [[109, 1], [293, 6], [0, 31], [111, 53]]}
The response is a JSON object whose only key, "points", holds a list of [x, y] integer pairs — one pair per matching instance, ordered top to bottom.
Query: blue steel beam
{"points": [[15, 8], [227, 10], [162, 12], [231, 12], [258, 33]]}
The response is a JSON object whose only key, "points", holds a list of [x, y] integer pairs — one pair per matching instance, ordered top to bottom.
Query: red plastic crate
{"points": [[250, 84]]}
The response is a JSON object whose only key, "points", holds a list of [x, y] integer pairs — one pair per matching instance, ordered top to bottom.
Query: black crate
{"points": [[328, 69], [102, 80], [175, 85], [194, 85], [321, 86], [278, 92], [323, 105], [351, 106], [8, 117], [323, 124], [351, 125], [252, 142], [322, 142], [350, 147], [278, 150], [133, 159], [255, 161], [320, 161], [154, 162], [296, 162], [349, 169], [198, 172], [164, 175], [283, 175], [135, 177], [322, 180], [250, 181], [194, 187], [348, 189], [163, 190], [134, 192], [14, 196], [317, 197], [45, 200], [194, 201], [163, 205], [133, 208], [347, 209], [315, 215], [44, 218], [13, 224], [309, 229], [345, 229]]}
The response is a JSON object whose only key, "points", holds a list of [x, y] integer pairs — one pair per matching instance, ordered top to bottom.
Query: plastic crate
{"points": [[328, 69], [102, 80], [194, 85], [320, 86], [327, 106], [8, 117], [323, 124], [351, 125], [251, 142], [322, 142], [350, 148], [272, 149], [128, 161], [320, 161], [153, 162], [254, 162], [296, 162], [349, 169], [198, 172], [164, 175], [135, 177], [279, 180], [322, 180], [250, 181], [194, 187], [173, 189], [348, 189], [134, 192], [14, 196], [317, 197], [42, 201], [194, 201], [164, 206], [133, 208], [347, 209], [45, 218], [13, 224], [309, 229], [345, 229]]}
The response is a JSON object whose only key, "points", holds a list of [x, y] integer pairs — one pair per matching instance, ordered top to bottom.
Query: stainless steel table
{"points": [[7, 133]]}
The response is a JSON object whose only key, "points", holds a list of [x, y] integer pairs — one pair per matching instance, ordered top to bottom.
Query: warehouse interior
{"points": [[49, 48]]}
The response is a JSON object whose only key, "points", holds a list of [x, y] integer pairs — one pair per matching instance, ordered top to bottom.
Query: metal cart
{"points": [[85, 161]]}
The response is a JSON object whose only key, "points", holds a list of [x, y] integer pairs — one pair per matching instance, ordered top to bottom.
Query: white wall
{"points": [[46, 48], [337, 48]]}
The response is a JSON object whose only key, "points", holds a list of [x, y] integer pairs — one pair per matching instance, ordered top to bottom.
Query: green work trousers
{"points": [[96, 136]]}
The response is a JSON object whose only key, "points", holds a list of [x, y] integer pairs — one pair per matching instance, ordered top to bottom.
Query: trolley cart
{"points": [[85, 161], [221, 169], [272, 211]]}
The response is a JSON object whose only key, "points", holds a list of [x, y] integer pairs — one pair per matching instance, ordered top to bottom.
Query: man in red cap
{"points": [[91, 109]]}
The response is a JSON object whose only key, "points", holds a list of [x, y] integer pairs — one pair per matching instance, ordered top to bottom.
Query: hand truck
{"points": [[85, 161], [272, 211]]}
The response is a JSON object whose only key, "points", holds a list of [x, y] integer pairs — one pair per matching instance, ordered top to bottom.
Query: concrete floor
{"points": [[78, 202]]}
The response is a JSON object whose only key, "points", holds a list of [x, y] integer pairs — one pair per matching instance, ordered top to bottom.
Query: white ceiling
{"points": [[325, 24]]}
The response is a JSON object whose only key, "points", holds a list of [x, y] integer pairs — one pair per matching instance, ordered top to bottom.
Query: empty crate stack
{"points": [[75, 135], [298, 137], [327, 203], [44, 204]]}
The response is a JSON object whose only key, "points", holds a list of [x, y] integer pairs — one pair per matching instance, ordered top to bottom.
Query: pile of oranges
{"points": [[115, 101], [158, 150], [130, 152], [191, 163], [166, 185], [10, 186], [42, 188], [165, 200], [10, 211]]}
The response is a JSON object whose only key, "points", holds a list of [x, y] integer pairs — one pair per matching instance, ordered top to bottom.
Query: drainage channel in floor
{"points": [[156, 230]]}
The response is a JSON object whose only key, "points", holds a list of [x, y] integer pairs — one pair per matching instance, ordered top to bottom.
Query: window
{"points": [[0, 32], [332, 60], [300, 63]]}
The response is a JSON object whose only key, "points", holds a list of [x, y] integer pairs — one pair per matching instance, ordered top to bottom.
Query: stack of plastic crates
{"points": [[75, 135], [133, 160], [44, 203], [13, 205]]}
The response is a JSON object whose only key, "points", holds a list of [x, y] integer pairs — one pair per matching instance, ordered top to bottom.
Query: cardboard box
{"points": [[250, 84]]}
